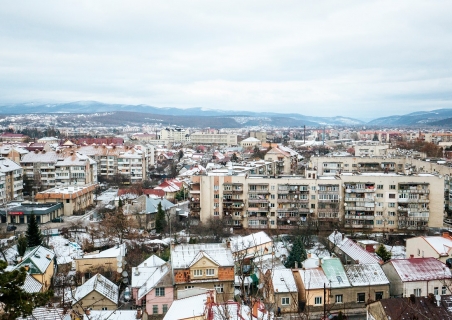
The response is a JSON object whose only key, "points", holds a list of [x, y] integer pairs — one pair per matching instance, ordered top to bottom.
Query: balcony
{"points": [[360, 190], [353, 199], [258, 200], [354, 217]]}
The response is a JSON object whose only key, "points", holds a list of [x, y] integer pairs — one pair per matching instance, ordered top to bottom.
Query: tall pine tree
{"points": [[160, 219], [34, 236], [297, 253]]}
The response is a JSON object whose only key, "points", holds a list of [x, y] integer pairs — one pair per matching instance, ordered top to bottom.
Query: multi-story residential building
{"points": [[170, 135], [260, 135], [227, 139], [371, 149], [284, 159], [126, 161], [50, 169], [12, 179], [373, 201], [208, 266]]}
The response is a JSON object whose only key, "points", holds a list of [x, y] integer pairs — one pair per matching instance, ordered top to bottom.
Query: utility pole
{"points": [[324, 301]]}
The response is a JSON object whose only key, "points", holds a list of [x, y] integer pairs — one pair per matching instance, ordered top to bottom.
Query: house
{"points": [[250, 142], [284, 158], [170, 187], [145, 209], [251, 245], [438, 247], [349, 251], [99, 262], [39, 263], [209, 265], [418, 276], [311, 283], [152, 285], [280, 289], [98, 293], [429, 307], [192, 308]]}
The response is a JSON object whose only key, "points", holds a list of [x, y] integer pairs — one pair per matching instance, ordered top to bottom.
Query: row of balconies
{"points": [[350, 190], [420, 191], [406, 200], [355, 217]]}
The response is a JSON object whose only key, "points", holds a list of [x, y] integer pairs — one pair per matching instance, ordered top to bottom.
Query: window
{"points": [[379, 186], [392, 186], [216, 187], [379, 195], [216, 196], [272, 196], [312, 196], [392, 196], [391, 204], [312, 205], [216, 213], [379, 213], [391, 213], [379, 222], [391, 222], [210, 272], [197, 273], [189, 287], [219, 288], [443, 290], [435, 291], [159, 292], [417, 292], [378, 295], [361, 297], [339, 298], [318, 300], [285, 301], [143, 303], [104, 308], [165, 308], [155, 309]]}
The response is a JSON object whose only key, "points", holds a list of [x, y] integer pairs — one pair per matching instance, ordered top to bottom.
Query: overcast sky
{"points": [[359, 59]]}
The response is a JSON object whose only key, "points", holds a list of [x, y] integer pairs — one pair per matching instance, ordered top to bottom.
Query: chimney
{"points": [[446, 234], [228, 243], [309, 255], [411, 256], [356, 261], [145, 264], [296, 264], [87, 311], [139, 314]]}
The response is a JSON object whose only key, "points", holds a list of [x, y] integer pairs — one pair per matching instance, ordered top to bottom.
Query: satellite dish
{"points": [[277, 254], [119, 258], [119, 264], [119, 270], [124, 273], [125, 281], [260, 286]]}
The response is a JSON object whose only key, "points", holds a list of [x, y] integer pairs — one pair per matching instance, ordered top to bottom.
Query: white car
{"points": [[127, 294]]}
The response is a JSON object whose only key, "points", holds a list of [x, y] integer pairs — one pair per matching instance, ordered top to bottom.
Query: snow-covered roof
{"points": [[43, 157], [7, 165], [152, 204], [240, 243], [440, 244], [351, 248], [116, 251], [182, 256], [37, 259], [152, 261], [420, 269], [335, 272], [366, 274], [156, 275], [313, 278], [283, 280], [99, 284], [31, 285], [193, 306], [48, 313], [111, 315]]}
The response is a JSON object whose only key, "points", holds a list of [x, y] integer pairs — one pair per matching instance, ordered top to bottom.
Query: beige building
{"points": [[260, 135], [227, 139], [250, 143], [371, 149], [285, 160], [12, 178], [75, 199], [375, 202], [438, 247], [39, 263], [98, 293]]}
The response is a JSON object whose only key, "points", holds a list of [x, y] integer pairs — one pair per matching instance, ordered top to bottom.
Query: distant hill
{"points": [[221, 118], [415, 118]]}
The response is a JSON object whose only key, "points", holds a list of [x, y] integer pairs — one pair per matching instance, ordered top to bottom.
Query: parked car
{"points": [[59, 219], [10, 228], [127, 294]]}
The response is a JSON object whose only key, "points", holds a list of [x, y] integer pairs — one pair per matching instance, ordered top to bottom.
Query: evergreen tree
{"points": [[120, 204], [160, 219], [34, 236], [22, 245], [297, 253], [383, 253], [16, 301]]}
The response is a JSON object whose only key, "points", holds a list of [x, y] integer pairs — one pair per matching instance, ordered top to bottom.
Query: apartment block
{"points": [[227, 139], [11, 181], [368, 201]]}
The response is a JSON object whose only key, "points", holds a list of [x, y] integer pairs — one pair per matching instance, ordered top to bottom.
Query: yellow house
{"points": [[99, 262], [39, 263], [98, 293]]}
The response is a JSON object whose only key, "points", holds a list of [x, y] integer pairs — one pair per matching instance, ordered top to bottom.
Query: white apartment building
{"points": [[173, 135], [227, 139], [371, 149], [128, 161], [50, 169], [11, 181], [369, 201]]}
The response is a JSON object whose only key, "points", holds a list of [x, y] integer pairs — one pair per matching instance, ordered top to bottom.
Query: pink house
{"points": [[152, 285]]}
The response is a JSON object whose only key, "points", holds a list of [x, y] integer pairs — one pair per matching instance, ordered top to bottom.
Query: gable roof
{"points": [[152, 204], [240, 243], [440, 244], [352, 249], [116, 251], [182, 256], [37, 259], [152, 261], [420, 269], [335, 272], [366, 274], [153, 280], [283, 280], [99, 284], [31, 285], [184, 308]]}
